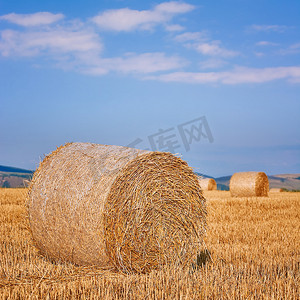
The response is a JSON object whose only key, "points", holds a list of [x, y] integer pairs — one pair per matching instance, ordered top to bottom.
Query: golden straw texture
{"points": [[208, 184], [249, 184], [109, 205]]}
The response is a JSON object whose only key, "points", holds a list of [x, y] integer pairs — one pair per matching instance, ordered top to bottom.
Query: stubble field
{"points": [[254, 246]]}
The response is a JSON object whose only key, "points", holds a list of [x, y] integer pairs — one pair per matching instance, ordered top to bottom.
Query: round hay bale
{"points": [[208, 184], [249, 184], [276, 190], [116, 206]]}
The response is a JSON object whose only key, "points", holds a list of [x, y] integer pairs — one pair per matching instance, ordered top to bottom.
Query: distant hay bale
{"points": [[208, 184], [249, 184], [276, 190], [115, 206]]}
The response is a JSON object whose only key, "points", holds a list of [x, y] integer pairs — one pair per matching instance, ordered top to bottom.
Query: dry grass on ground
{"points": [[254, 244]]}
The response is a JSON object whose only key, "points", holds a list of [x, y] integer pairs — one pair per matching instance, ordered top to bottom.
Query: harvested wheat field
{"points": [[254, 244]]}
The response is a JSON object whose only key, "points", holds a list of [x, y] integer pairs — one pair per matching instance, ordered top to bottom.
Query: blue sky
{"points": [[123, 72]]}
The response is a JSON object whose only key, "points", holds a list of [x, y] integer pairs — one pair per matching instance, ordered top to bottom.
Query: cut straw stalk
{"points": [[110, 205]]}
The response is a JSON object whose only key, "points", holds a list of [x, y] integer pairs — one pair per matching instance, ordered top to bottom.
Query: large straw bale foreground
{"points": [[208, 184], [249, 184], [109, 205]]}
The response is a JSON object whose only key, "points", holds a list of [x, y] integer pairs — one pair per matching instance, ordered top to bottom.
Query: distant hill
{"points": [[14, 170], [14, 177], [17, 177], [285, 181]]}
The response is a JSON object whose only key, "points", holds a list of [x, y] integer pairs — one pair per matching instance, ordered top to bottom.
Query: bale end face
{"points": [[161, 217]]}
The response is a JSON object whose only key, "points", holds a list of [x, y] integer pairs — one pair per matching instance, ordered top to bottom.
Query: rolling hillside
{"points": [[14, 170], [16, 177], [286, 181]]}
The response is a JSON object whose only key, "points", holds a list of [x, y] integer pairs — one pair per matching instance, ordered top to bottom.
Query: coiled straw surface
{"points": [[208, 184], [249, 184], [109, 205]]}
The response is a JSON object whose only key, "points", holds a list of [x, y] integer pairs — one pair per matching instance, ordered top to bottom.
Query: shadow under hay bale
{"points": [[208, 184], [249, 184], [109, 205], [203, 258]]}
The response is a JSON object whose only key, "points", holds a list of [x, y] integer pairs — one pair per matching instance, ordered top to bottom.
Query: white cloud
{"points": [[174, 7], [36, 19], [126, 19], [174, 27], [269, 28], [190, 36], [56, 41], [200, 42], [266, 43], [74, 46], [77, 46], [295, 46], [213, 48], [292, 49], [81, 50], [259, 54], [137, 63], [212, 63], [239, 75]]}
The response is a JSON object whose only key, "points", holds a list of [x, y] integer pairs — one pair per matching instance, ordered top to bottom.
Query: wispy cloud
{"points": [[36, 19], [126, 19], [174, 27], [269, 28], [191, 36], [200, 42], [15, 43], [266, 43], [77, 45], [214, 48], [81, 49], [292, 49], [259, 54], [144, 63], [212, 63], [239, 75]]}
